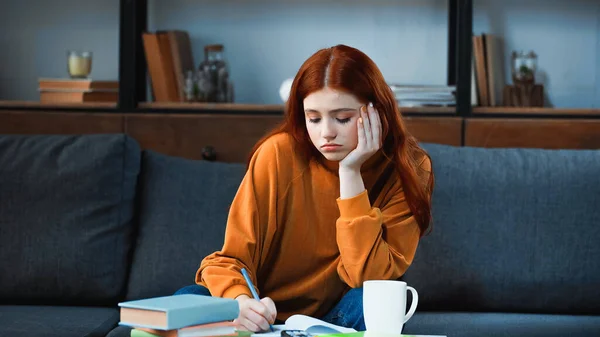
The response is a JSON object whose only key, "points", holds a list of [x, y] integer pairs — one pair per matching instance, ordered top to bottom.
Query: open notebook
{"points": [[309, 324]]}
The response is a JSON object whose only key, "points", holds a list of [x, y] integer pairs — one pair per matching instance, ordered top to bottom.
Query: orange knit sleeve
{"points": [[250, 227], [376, 243]]}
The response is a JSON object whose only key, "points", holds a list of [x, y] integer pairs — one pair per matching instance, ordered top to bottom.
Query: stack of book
{"points": [[169, 57], [488, 69], [66, 90], [424, 95], [180, 316]]}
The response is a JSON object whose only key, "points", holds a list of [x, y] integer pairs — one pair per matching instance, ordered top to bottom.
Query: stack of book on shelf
{"points": [[169, 57], [488, 69], [66, 90], [424, 95], [180, 316]]}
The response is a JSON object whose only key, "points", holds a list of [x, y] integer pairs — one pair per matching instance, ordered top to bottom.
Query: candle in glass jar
{"points": [[79, 64]]}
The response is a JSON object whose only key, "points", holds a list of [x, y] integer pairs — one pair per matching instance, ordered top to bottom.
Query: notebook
{"points": [[177, 311], [309, 324], [377, 334]]}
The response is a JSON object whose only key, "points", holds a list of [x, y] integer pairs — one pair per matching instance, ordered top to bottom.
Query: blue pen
{"points": [[251, 286]]}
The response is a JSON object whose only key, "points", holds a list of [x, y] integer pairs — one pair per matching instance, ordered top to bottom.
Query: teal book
{"points": [[177, 311]]}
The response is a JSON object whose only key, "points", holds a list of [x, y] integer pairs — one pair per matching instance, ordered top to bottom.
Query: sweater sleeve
{"points": [[250, 225], [376, 243]]}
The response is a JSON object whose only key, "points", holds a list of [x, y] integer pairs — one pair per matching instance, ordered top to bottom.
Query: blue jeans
{"points": [[348, 312]]}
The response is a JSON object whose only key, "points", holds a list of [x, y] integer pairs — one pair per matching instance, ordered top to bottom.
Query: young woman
{"points": [[338, 194]]}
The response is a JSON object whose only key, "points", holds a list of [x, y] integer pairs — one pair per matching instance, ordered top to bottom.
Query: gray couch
{"points": [[88, 221]]}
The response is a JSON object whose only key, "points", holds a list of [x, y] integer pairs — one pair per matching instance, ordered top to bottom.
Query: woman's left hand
{"points": [[369, 139]]}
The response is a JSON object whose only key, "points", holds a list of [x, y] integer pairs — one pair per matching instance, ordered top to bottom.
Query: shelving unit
{"points": [[133, 69], [133, 72], [133, 79]]}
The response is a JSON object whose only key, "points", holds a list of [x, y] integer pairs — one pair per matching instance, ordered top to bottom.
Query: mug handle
{"points": [[413, 305]]}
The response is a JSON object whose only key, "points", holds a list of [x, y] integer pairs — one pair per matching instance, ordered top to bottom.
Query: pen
{"points": [[251, 286]]}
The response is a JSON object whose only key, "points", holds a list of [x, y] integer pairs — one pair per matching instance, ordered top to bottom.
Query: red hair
{"points": [[347, 69]]}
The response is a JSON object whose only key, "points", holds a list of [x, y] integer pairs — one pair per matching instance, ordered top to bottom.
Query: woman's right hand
{"points": [[255, 315]]}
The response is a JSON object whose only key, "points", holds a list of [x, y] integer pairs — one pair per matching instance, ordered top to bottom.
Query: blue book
{"points": [[177, 311]]}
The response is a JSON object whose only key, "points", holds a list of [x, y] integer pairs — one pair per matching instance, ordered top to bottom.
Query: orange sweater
{"points": [[302, 245]]}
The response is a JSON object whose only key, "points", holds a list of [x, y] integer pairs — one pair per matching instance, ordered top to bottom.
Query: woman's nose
{"points": [[328, 131]]}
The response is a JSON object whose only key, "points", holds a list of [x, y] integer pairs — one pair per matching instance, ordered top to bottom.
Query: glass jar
{"points": [[79, 64], [523, 67], [213, 76], [191, 87]]}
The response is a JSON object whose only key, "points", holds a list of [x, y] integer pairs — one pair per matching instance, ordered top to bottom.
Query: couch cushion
{"points": [[66, 206], [184, 208], [514, 230], [56, 321], [501, 325], [120, 331]]}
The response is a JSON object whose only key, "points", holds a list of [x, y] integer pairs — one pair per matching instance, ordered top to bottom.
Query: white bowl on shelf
{"points": [[285, 88]]}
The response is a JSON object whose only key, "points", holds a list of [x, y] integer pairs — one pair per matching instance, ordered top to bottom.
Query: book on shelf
{"points": [[169, 57], [183, 60], [488, 66], [76, 84], [67, 90], [424, 95], [78, 96]]}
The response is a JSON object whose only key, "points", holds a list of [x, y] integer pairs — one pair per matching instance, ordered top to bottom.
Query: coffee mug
{"points": [[384, 305]]}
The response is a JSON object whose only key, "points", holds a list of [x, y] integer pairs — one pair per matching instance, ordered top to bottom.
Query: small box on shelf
{"points": [[520, 95]]}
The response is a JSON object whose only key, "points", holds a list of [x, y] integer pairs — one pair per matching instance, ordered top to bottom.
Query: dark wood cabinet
{"points": [[43, 122], [439, 130], [533, 133], [222, 137], [229, 137]]}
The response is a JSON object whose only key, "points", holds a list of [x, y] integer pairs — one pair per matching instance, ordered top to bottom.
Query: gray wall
{"points": [[35, 34], [267, 40]]}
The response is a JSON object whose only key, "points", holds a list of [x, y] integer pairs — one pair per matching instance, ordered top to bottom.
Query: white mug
{"points": [[384, 305]]}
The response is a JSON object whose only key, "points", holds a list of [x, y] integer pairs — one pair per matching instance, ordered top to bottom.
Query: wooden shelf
{"points": [[53, 106], [212, 106], [194, 107], [233, 107], [277, 109], [428, 110], [534, 111]]}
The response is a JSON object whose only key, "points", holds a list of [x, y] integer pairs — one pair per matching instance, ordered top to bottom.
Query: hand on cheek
{"points": [[369, 139]]}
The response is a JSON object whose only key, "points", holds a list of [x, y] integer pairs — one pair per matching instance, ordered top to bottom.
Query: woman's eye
{"points": [[314, 120], [343, 120]]}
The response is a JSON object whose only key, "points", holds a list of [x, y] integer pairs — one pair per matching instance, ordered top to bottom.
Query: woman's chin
{"points": [[334, 156]]}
